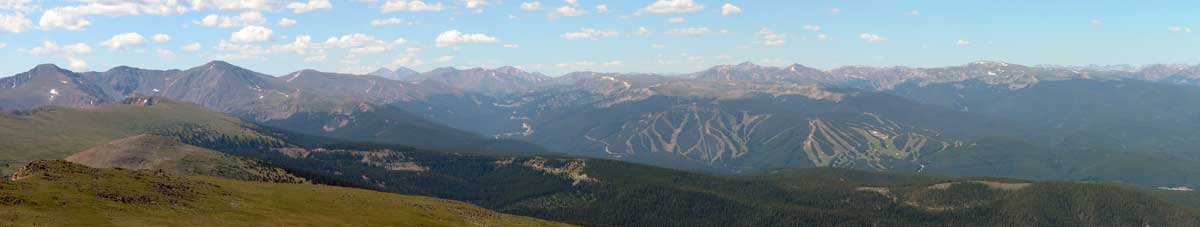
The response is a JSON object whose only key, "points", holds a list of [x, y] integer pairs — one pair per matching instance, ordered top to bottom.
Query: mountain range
{"points": [[940, 146]]}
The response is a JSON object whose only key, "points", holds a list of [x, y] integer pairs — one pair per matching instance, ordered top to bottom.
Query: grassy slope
{"points": [[57, 132], [165, 153], [49, 193]]}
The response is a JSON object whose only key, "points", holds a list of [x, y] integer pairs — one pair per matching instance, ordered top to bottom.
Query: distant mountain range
{"points": [[735, 118], [488, 137]]}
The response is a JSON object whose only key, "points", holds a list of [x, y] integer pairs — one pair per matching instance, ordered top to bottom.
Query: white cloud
{"points": [[572, 2], [472, 4], [15, 5], [235, 5], [311, 5], [534, 5], [410, 6], [673, 6], [602, 8], [730, 9], [835, 10], [566, 11], [912, 13], [76, 17], [241, 20], [675, 20], [386, 21], [285, 22], [1096, 22], [15, 23], [812, 28], [1180, 29], [641, 31], [688, 31], [589, 33], [251, 34], [455, 37], [822, 37], [871, 37], [158, 38], [769, 38], [123, 40], [962, 42], [362, 43], [3, 45], [511, 45], [300, 46], [657, 46], [193, 47], [239, 51], [69, 52], [164, 53], [408, 58], [444, 58], [613, 63]]}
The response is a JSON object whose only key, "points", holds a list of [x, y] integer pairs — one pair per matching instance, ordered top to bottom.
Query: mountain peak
{"points": [[47, 67], [382, 71]]}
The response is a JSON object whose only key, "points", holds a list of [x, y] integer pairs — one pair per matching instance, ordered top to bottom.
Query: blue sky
{"points": [[555, 37]]}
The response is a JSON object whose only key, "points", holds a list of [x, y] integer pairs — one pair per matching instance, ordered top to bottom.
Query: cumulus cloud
{"points": [[473, 4], [15, 5], [311, 5], [410, 6], [531, 6], [673, 6], [602, 8], [730, 9], [565, 11], [912, 13], [76, 17], [243, 19], [675, 20], [386, 21], [285, 22], [1096, 22], [15, 23], [812, 28], [1180, 29], [688, 31], [589, 33], [251, 34], [455, 37], [871, 37], [158, 38], [768, 38], [124, 40], [962, 42], [362, 43], [3, 45], [511, 45], [657, 46], [193, 47], [69, 52], [408, 58], [446, 58], [613, 63]]}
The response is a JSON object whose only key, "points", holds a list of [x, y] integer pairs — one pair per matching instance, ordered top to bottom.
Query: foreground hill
{"points": [[53, 132], [156, 152], [48, 193]]}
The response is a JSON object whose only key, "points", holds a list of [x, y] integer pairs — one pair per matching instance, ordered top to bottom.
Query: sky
{"points": [[555, 36]]}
